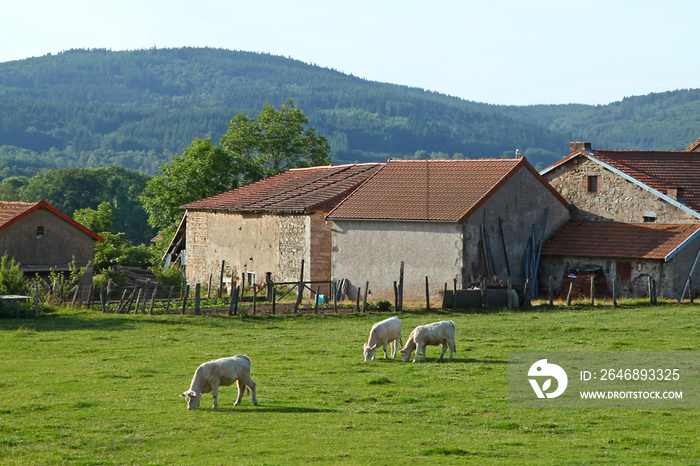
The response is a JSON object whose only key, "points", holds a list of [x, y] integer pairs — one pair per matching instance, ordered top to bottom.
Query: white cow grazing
{"points": [[387, 331], [437, 333], [209, 376]]}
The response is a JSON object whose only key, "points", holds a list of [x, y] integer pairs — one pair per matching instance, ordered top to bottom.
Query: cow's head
{"points": [[369, 351], [405, 355], [193, 398]]}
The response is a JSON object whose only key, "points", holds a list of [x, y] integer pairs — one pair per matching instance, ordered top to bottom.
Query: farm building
{"points": [[629, 186], [656, 194], [445, 219], [267, 226], [41, 239], [629, 253]]}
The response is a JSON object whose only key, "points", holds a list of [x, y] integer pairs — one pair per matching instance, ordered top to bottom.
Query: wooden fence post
{"points": [[221, 279], [269, 286], [334, 287], [401, 287], [300, 289], [318, 290], [551, 290], [592, 290], [650, 290], [614, 292], [454, 293], [427, 294], [570, 294], [145, 295], [170, 297], [396, 297], [36, 298], [153, 298], [184, 299], [197, 299], [274, 299], [255, 300], [138, 302], [364, 305]]}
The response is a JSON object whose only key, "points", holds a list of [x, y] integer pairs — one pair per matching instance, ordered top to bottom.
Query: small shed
{"points": [[628, 253]]}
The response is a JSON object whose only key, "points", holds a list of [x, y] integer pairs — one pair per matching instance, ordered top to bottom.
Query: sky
{"points": [[492, 51]]}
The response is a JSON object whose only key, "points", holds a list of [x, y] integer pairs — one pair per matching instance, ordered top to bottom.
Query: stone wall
{"points": [[616, 198], [254, 244]]}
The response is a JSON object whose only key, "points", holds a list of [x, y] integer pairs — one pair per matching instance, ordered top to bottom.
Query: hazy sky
{"points": [[493, 51]]}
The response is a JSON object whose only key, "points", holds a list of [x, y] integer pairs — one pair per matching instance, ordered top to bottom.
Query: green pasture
{"points": [[83, 387]]}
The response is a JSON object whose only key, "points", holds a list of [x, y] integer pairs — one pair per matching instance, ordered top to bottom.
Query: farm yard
{"points": [[85, 387]]}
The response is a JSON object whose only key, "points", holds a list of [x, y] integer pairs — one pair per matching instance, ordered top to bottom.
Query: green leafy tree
{"points": [[275, 141], [252, 149], [202, 170], [99, 221], [11, 277]]}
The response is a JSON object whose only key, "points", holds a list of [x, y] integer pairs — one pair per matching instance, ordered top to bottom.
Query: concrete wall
{"points": [[616, 199], [520, 203], [257, 243], [60, 245], [372, 251]]}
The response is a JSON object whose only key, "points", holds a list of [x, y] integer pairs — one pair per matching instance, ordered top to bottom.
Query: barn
{"points": [[448, 220], [267, 226], [43, 239]]}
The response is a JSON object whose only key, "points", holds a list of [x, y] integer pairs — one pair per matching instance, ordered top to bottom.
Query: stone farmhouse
{"points": [[635, 216], [445, 219], [267, 226], [41, 239]]}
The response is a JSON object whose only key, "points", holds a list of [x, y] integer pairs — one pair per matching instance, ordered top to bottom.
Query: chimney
{"points": [[576, 147], [675, 193]]}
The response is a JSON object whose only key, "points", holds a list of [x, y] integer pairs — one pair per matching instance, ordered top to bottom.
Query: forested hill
{"points": [[138, 108]]}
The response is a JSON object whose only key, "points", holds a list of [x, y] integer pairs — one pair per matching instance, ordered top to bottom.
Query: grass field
{"points": [[82, 387]]}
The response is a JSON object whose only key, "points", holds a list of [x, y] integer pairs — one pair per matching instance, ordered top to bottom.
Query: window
{"points": [[592, 183], [649, 219], [40, 232]]}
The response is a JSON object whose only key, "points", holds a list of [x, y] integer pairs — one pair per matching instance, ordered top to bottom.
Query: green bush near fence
{"points": [[83, 387]]}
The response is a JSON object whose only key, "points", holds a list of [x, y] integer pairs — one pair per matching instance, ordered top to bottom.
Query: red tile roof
{"points": [[658, 170], [297, 190], [435, 190], [12, 211], [624, 240]]}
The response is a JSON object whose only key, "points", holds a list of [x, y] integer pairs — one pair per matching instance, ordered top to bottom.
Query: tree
{"points": [[275, 141], [250, 150], [202, 170], [99, 220]]}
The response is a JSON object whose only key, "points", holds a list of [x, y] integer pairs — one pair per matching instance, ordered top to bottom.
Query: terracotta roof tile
{"points": [[660, 170], [297, 190], [435, 190], [12, 211], [612, 239]]}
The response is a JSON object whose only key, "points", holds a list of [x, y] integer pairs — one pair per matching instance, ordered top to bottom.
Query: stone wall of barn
{"points": [[615, 198], [256, 243]]}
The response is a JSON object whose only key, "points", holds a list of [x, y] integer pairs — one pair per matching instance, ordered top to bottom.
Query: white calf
{"points": [[387, 331], [437, 333], [209, 376]]}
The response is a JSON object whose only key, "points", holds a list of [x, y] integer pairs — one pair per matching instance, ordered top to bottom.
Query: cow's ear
{"points": [[373, 347], [183, 395]]}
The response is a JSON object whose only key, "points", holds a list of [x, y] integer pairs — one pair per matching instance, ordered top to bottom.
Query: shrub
{"points": [[12, 278]]}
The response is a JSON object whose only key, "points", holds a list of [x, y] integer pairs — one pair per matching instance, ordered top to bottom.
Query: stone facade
{"points": [[615, 199], [256, 243]]}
